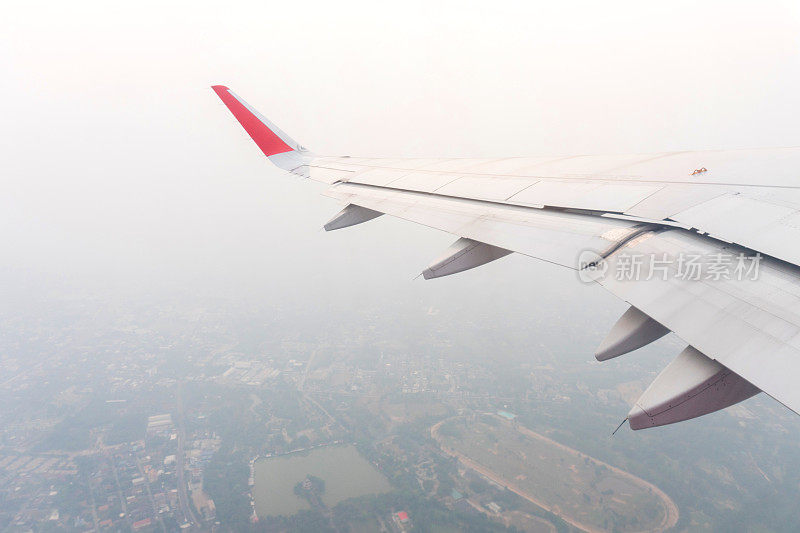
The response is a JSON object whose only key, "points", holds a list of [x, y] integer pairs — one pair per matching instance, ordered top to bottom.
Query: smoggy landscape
{"points": [[183, 348], [129, 413]]}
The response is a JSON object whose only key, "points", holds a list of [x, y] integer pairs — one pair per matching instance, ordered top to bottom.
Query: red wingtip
{"points": [[266, 139]]}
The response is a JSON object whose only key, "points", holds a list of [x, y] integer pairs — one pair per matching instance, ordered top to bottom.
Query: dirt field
{"points": [[587, 493]]}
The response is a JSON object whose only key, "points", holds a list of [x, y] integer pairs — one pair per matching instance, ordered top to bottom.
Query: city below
{"points": [[228, 418]]}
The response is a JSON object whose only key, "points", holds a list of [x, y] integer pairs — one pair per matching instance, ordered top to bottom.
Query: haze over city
{"points": [[157, 264]]}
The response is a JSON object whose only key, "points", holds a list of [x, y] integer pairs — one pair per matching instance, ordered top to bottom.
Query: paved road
{"points": [[150, 495], [183, 495]]}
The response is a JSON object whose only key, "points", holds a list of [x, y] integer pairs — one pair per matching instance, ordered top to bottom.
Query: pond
{"points": [[345, 472]]}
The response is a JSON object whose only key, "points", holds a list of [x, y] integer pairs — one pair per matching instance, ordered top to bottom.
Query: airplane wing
{"points": [[703, 244]]}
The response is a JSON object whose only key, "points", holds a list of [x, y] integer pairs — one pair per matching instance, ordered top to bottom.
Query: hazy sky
{"points": [[118, 162]]}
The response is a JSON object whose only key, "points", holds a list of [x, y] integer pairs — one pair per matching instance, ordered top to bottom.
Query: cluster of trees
{"points": [[124, 423], [225, 481], [311, 489], [426, 514], [303, 522]]}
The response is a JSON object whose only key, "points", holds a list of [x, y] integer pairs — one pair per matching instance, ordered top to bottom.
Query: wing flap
{"points": [[554, 236], [750, 325]]}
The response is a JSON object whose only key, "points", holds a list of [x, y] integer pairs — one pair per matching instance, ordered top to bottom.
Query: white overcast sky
{"points": [[118, 161]]}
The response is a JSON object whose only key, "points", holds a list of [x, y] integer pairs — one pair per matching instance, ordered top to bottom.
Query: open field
{"points": [[410, 410], [345, 472], [585, 492], [529, 523]]}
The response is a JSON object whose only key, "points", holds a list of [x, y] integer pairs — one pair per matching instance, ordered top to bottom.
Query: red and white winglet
{"points": [[281, 149]]}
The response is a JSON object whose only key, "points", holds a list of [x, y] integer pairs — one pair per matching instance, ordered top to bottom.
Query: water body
{"points": [[346, 475]]}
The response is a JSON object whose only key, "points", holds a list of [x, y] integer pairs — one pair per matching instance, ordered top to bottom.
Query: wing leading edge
{"points": [[591, 214]]}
